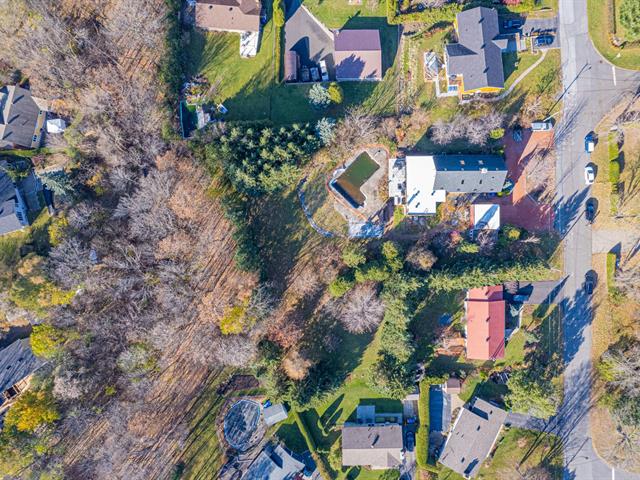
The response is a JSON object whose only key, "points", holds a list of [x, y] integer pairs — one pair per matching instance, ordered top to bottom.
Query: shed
{"points": [[291, 62], [56, 125], [274, 414]]}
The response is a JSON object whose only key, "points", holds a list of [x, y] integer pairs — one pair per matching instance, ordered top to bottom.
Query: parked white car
{"points": [[324, 71], [589, 175]]}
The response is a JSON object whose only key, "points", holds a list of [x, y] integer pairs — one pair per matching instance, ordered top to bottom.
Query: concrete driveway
{"points": [[592, 87]]}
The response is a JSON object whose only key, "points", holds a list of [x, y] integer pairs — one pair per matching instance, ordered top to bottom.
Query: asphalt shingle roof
{"points": [[231, 15], [358, 55], [477, 56], [19, 116], [469, 173], [17, 362], [474, 434], [376, 445]]}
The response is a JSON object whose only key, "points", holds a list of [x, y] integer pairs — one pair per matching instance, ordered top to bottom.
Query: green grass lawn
{"points": [[339, 14], [626, 57], [514, 64], [545, 81], [248, 87], [324, 422], [519, 451]]}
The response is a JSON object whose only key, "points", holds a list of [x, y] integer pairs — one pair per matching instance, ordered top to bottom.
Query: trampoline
{"points": [[241, 424]]}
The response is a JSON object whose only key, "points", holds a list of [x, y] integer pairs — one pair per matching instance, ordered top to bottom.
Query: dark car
{"points": [[512, 23], [543, 40], [590, 142], [590, 210], [589, 282], [410, 441]]}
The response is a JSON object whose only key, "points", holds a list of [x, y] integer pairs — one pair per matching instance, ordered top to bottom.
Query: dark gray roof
{"points": [[476, 56], [19, 116], [469, 173], [9, 222], [17, 362], [472, 438], [377, 445]]}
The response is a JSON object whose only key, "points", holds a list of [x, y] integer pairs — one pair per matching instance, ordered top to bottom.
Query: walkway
{"points": [[504, 94], [307, 213]]}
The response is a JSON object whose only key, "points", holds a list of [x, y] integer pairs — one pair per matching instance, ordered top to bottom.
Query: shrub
{"points": [[278, 13], [630, 17], [335, 93], [319, 96], [325, 130], [497, 133], [614, 172], [511, 233], [353, 255], [340, 286], [233, 320], [47, 340], [32, 410]]}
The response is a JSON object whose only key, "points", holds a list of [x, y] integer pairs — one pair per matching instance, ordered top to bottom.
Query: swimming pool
{"points": [[357, 173]]}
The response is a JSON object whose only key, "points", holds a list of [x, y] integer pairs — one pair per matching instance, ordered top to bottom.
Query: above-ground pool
{"points": [[357, 173]]}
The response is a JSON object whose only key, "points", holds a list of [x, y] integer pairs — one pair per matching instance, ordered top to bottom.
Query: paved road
{"points": [[592, 88], [608, 240]]}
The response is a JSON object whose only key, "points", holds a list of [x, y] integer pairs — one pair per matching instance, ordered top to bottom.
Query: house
{"points": [[228, 15], [357, 55], [474, 63], [22, 118], [430, 177], [13, 209], [485, 309], [17, 365], [274, 414], [475, 432], [378, 446], [274, 463]]}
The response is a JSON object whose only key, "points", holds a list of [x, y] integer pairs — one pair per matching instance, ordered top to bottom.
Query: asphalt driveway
{"points": [[534, 26]]}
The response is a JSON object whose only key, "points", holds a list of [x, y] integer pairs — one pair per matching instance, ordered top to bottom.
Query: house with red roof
{"points": [[485, 309]]}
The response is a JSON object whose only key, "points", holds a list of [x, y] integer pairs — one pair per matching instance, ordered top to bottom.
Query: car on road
{"points": [[512, 23], [543, 40], [590, 142], [589, 175], [590, 210], [589, 282]]}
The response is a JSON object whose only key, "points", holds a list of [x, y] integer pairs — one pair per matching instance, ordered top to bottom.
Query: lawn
{"points": [[339, 13], [626, 57], [514, 63], [544, 82], [248, 89], [324, 422], [519, 451]]}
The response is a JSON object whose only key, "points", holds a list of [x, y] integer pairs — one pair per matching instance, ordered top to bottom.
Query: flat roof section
{"points": [[422, 199]]}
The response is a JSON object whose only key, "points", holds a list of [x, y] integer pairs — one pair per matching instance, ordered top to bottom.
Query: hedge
{"points": [[429, 16], [614, 174], [611, 270], [422, 435], [311, 444]]}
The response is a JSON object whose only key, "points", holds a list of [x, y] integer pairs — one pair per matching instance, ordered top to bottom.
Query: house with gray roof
{"points": [[474, 63], [22, 118], [428, 179], [13, 209], [17, 365], [473, 437], [377, 446], [274, 463]]}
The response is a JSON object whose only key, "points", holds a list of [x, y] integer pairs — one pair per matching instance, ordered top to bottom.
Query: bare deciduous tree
{"points": [[361, 310]]}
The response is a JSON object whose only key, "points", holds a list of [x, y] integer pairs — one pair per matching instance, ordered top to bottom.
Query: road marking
{"points": [[613, 69], [613, 474]]}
